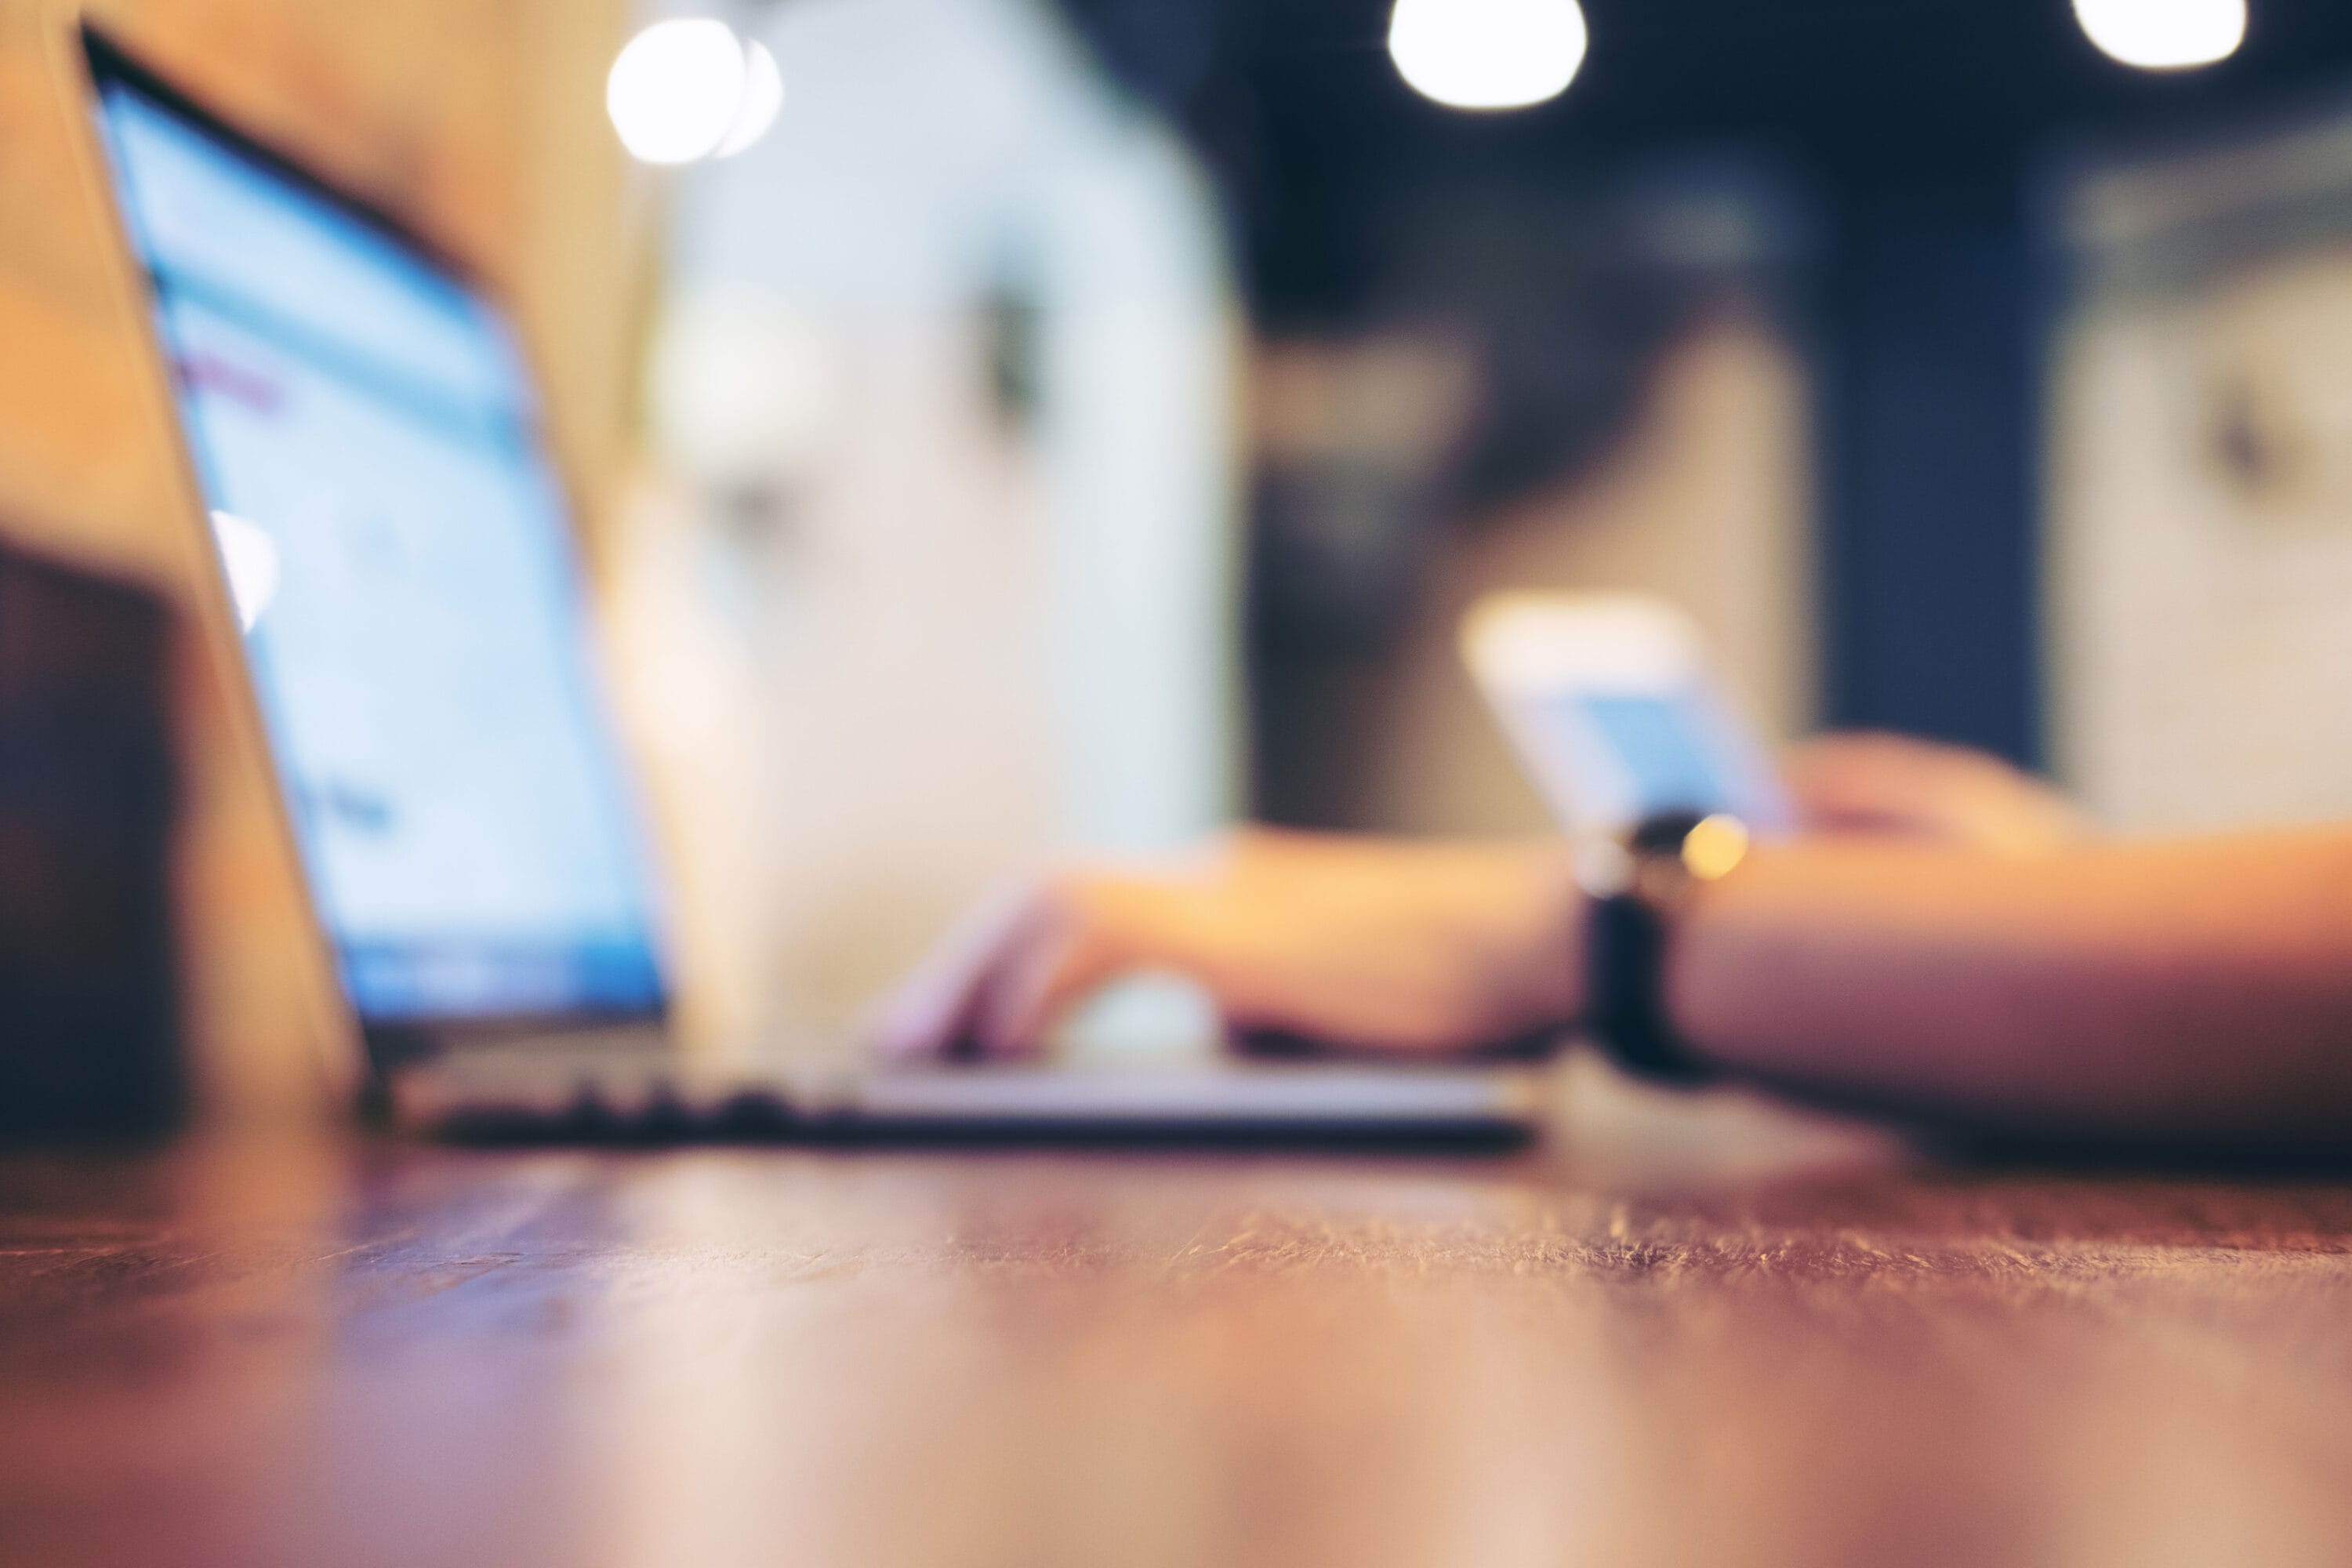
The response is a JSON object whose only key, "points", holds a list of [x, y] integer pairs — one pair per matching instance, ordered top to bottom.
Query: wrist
{"points": [[1552, 986]]}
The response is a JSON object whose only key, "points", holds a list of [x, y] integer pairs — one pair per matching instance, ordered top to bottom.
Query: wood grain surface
{"points": [[1709, 1339]]}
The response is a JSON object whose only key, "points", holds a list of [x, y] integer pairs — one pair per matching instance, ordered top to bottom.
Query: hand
{"points": [[1879, 782], [1377, 943]]}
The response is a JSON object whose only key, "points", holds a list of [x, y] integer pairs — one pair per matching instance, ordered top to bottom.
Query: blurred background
{"points": [[1007, 428]]}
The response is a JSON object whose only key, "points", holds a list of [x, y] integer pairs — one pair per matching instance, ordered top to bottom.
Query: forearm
{"points": [[2188, 990]]}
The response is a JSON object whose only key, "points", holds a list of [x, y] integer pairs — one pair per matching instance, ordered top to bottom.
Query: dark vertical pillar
{"points": [[1931, 416]]}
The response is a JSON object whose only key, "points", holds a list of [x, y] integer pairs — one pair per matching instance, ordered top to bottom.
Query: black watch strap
{"points": [[1625, 948]]}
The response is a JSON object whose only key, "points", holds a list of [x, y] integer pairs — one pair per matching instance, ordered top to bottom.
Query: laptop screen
{"points": [[400, 553]]}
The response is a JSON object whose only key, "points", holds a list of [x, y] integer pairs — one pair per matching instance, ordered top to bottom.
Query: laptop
{"points": [[365, 433]]}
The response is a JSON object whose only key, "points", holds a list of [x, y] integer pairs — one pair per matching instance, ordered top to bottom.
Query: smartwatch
{"points": [[1639, 885]]}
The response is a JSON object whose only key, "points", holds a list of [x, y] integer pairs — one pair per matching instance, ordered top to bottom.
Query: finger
{"points": [[1846, 780], [1065, 959], [935, 1008]]}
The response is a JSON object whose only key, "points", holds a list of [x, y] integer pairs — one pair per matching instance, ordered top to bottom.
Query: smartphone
{"points": [[1610, 702]]}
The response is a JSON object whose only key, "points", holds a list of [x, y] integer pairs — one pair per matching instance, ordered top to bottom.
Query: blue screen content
{"points": [[364, 430], [1660, 743]]}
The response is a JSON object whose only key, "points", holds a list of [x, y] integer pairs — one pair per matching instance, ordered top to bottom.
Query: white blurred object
{"points": [[2164, 35], [1488, 54], [689, 88], [743, 386], [249, 561], [1152, 1016]]}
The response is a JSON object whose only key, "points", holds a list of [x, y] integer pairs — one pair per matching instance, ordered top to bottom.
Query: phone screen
{"points": [[1608, 703], [1659, 743]]}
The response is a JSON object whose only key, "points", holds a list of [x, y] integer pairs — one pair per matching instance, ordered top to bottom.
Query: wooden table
{"points": [[1690, 1333]]}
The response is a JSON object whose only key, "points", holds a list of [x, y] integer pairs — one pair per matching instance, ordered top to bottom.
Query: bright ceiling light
{"points": [[2164, 35], [1488, 54], [678, 89], [763, 95]]}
